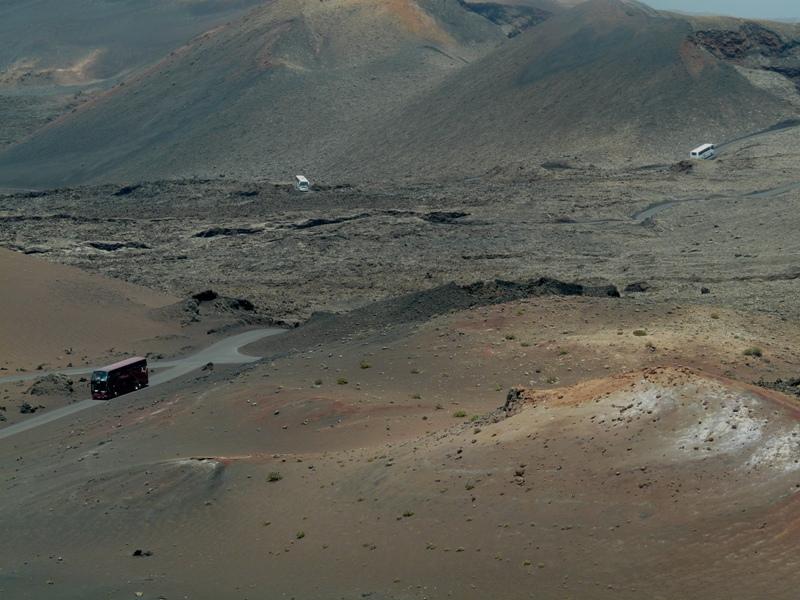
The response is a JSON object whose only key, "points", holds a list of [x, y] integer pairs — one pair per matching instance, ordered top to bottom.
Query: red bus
{"points": [[120, 378]]}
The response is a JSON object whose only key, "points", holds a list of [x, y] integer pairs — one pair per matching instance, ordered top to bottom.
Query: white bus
{"points": [[704, 152], [301, 184]]}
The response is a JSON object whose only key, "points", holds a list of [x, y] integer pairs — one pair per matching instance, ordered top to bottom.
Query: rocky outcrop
{"points": [[512, 19], [754, 46], [52, 385]]}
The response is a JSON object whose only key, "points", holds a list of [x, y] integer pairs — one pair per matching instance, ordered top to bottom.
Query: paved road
{"points": [[224, 352]]}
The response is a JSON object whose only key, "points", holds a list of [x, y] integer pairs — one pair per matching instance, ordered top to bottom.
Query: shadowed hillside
{"points": [[73, 41], [55, 53], [608, 81], [359, 89], [274, 92]]}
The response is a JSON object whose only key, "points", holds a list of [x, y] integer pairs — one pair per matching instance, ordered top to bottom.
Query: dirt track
{"points": [[223, 352]]}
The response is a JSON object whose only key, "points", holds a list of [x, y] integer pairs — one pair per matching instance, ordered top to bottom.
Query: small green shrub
{"points": [[639, 332], [754, 351], [341, 381], [459, 414], [274, 476]]}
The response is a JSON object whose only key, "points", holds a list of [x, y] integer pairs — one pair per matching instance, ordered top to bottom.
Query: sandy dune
{"points": [[54, 314]]}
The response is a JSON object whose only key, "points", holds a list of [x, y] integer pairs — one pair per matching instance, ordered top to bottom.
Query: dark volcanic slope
{"points": [[72, 41], [54, 54], [606, 80], [359, 89], [276, 90]]}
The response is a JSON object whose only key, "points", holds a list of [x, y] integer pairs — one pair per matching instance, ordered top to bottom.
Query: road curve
{"points": [[223, 352]]}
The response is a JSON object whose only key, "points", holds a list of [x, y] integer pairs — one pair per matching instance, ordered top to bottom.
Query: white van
{"points": [[704, 152], [301, 184]]}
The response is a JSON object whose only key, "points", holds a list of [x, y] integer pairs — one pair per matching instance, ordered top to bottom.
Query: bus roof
{"points": [[702, 148], [123, 363]]}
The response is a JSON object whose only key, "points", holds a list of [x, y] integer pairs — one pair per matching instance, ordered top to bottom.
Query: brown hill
{"points": [[55, 314], [657, 482]]}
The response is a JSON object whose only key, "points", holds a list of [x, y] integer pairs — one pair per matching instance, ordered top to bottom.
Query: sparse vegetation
{"points": [[639, 332], [754, 351], [365, 365], [341, 381], [460, 414], [274, 476], [408, 513], [300, 535]]}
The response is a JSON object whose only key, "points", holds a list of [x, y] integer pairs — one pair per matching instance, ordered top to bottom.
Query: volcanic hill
{"points": [[358, 89]]}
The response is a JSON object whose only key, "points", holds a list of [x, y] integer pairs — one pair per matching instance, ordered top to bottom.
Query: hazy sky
{"points": [[765, 9]]}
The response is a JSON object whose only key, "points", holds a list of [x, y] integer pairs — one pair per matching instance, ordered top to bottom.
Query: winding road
{"points": [[650, 211], [223, 352]]}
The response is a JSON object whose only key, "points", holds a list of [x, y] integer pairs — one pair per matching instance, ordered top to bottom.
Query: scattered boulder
{"points": [[557, 165], [684, 166], [128, 189], [444, 217], [319, 222], [227, 231], [114, 246], [638, 287], [206, 296], [214, 304], [241, 304], [52, 385], [787, 386], [514, 400], [27, 408], [142, 553]]}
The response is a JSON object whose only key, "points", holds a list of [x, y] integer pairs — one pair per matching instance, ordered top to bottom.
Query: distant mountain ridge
{"points": [[349, 89]]}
